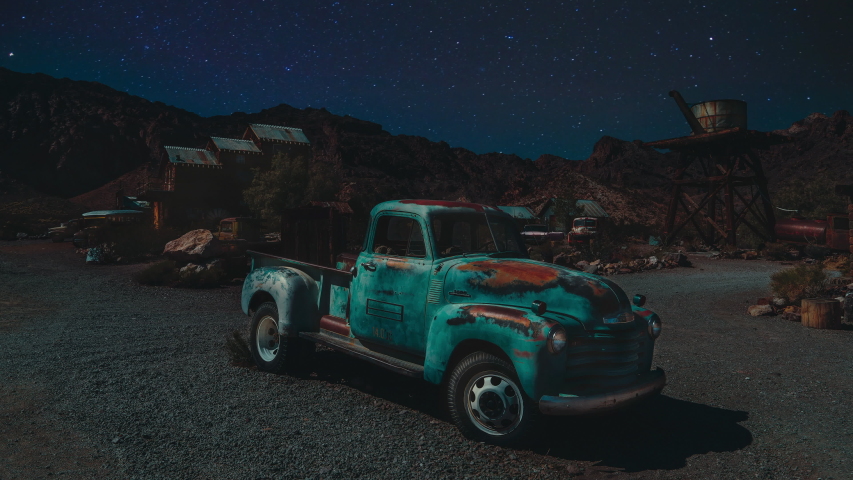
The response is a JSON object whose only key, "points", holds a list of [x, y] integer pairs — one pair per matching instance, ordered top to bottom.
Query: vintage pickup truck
{"points": [[444, 292]]}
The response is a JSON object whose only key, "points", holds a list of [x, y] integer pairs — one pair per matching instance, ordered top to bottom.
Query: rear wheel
{"points": [[271, 351], [486, 402]]}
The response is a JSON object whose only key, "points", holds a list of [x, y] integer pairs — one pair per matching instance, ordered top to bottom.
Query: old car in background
{"points": [[101, 226], [239, 228], [65, 230], [583, 230], [537, 233], [445, 292]]}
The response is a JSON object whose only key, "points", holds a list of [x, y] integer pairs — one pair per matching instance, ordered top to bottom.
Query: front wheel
{"points": [[271, 351], [486, 402]]}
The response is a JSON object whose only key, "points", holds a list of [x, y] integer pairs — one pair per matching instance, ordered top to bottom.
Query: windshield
{"points": [[585, 222], [461, 233]]}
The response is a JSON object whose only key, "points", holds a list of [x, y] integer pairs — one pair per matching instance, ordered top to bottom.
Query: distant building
{"points": [[196, 184]]}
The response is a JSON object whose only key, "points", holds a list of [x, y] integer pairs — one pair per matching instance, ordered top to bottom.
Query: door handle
{"points": [[369, 266]]}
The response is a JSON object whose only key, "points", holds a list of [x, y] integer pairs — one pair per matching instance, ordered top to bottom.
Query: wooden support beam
{"points": [[698, 208]]}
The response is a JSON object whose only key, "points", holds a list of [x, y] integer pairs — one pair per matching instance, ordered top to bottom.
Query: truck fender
{"points": [[294, 292], [520, 335]]}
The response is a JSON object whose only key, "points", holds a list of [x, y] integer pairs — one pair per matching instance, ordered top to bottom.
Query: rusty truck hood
{"points": [[518, 283]]}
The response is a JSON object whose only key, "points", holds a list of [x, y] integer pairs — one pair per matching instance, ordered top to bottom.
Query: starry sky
{"points": [[524, 77]]}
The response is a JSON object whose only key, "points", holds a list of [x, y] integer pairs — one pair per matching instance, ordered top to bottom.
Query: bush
{"points": [[776, 251], [160, 273], [201, 277], [802, 281]]}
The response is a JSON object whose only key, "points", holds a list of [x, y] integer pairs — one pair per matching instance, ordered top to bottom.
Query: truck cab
{"points": [[583, 229], [445, 292]]}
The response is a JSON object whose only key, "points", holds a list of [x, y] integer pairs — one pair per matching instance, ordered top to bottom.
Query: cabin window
{"points": [[399, 236]]}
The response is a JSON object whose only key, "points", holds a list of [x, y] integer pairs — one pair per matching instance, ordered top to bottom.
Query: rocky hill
{"points": [[78, 139]]}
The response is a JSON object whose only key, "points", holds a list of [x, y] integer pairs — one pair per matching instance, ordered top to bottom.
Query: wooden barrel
{"points": [[821, 313]]}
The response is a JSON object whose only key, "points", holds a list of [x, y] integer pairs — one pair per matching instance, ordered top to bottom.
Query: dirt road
{"points": [[102, 378]]}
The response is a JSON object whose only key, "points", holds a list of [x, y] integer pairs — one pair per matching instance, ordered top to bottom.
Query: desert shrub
{"points": [[811, 198], [776, 251], [818, 252], [160, 273], [201, 277], [802, 281], [238, 349]]}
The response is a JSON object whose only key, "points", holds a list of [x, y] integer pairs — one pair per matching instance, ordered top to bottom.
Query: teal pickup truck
{"points": [[445, 292]]}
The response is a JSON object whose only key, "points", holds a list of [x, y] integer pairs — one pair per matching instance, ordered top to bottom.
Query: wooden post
{"points": [[821, 313]]}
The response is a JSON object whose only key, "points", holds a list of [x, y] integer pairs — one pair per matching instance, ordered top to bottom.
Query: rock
{"points": [[194, 246], [750, 255], [677, 258], [563, 260], [653, 261], [595, 262], [215, 264], [582, 265], [591, 268], [190, 269], [778, 301], [792, 309], [760, 310], [792, 316]]}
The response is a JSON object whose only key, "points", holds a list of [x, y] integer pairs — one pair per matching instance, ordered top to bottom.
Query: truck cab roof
{"points": [[425, 207]]}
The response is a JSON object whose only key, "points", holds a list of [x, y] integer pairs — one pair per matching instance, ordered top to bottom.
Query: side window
{"points": [[225, 227], [400, 236]]}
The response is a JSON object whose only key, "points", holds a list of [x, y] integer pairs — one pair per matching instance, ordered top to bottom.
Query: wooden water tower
{"points": [[718, 183]]}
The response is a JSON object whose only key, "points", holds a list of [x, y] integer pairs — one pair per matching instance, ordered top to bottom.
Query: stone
{"points": [[195, 246], [749, 255], [677, 258], [653, 261], [595, 262], [582, 265], [190, 268], [591, 268], [778, 301], [760, 310], [792, 316]]}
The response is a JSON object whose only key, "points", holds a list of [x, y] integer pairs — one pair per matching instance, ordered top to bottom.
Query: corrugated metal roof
{"points": [[276, 132], [235, 144], [191, 156], [591, 209], [522, 213]]}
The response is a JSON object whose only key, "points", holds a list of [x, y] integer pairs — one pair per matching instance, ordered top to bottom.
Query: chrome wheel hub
{"points": [[267, 339], [493, 403]]}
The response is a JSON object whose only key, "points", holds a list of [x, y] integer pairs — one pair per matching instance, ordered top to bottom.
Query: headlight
{"points": [[654, 327], [557, 339]]}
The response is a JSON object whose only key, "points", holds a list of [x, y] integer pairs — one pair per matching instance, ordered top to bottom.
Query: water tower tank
{"points": [[715, 115]]}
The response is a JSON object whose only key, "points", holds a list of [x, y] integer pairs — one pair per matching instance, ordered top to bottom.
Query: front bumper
{"points": [[649, 384]]}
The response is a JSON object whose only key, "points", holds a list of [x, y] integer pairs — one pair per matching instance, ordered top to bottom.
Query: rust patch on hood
{"points": [[503, 274]]}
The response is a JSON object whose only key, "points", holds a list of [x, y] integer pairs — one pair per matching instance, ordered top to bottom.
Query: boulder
{"points": [[194, 246], [677, 258], [591, 268], [760, 310]]}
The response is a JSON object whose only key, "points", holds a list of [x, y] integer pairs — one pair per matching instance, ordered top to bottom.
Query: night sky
{"points": [[515, 77]]}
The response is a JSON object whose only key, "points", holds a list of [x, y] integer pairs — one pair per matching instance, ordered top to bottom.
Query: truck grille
{"points": [[603, 361]]}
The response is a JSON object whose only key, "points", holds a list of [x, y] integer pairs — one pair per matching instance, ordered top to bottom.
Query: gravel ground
{"points": [[102, 378]]}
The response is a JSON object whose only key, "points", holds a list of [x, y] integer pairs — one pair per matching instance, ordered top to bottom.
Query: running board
{"points": [[350, 346]]}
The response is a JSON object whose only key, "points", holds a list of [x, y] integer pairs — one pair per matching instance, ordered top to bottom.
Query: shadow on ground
{"points": [[658, 434]]}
